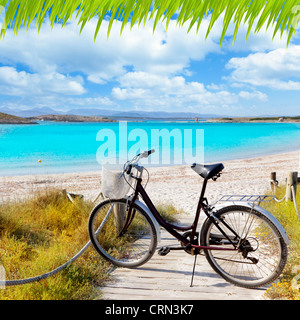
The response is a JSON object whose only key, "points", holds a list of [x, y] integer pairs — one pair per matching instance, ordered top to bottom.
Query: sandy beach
{"points": [[177, 185], [180, 186]]}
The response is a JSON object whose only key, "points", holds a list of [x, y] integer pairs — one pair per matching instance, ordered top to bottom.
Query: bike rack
{"points": [[247, 198], [260, 198]]}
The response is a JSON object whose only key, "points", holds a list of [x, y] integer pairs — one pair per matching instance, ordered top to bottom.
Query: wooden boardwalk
{"points": [[169, 278]]}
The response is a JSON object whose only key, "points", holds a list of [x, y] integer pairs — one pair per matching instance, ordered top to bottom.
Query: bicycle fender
{"points": [[147, 210], [263, 211]]}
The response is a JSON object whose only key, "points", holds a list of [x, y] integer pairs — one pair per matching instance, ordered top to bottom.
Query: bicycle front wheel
{"points": [[125, 241], [261, 250]]}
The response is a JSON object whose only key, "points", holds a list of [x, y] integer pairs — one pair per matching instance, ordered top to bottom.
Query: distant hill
{"points": [[36, 112], [50, 114], [142, 114], [6, 118], [70, 118]]}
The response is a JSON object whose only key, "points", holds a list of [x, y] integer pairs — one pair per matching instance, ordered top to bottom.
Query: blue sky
{"points": [[164, 71]]}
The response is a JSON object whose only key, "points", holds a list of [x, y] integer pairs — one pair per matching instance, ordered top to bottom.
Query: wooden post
{"points": [[273, 178], [291, 182], [119, 215], [2, 276]]}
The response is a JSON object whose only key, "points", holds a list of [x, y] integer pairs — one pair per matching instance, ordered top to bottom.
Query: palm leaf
{"points": [[279, 14]]}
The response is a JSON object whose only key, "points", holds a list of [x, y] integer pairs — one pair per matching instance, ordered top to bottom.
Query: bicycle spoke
{"points": [[133, 246], [259, 254]]}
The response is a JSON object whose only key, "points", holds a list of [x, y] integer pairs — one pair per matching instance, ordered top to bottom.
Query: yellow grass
{"points": [[43, 232], [288, 287]]}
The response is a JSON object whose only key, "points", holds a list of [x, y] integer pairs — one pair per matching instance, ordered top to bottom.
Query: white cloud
{"points": [[256, 42], [63, 51], [169, 52], [273, 69], [151, 71], [96, 79], [24, 83], [171, 85], [214, 86], [145, 90], [174, 93], [129, 94], [255, 95], [90, 101], [59, 102]]}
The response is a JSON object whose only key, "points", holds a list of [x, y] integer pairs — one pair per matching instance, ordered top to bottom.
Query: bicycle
{"points": [[244, 244]]}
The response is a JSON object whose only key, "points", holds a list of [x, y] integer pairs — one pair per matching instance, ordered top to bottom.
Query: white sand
{"points": [[178, 185]]}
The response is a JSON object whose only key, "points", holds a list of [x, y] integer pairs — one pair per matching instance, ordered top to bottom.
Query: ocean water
{"points": [[73, 147]]}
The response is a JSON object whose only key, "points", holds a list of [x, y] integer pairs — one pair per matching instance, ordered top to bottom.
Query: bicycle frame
{"points": [[173, 229]]}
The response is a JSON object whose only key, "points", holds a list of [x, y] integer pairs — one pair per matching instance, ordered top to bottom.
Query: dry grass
{"points": [[43, 232], [288, 287]]}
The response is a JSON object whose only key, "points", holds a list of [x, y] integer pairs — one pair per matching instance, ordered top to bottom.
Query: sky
{"points": [[172, 71]]}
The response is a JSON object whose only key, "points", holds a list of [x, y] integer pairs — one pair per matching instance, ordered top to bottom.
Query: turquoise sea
{"points": [[72, 147]]}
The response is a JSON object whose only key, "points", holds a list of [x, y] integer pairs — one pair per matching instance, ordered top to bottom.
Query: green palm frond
{"points": [[281, 15]]}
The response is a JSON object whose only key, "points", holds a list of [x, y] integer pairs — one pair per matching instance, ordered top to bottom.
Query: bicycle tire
{"points": [[260, 241], [132, 248]]}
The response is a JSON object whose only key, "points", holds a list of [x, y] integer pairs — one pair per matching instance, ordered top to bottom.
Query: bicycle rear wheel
{"points": [[124, 245], [262, 251]]}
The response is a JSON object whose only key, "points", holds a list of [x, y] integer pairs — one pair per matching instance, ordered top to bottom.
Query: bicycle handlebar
{"points": [[146, 154], [135, 160]]}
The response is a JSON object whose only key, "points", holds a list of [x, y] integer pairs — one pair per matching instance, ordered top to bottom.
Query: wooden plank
{"points": [[169, 278], [142, 294]]}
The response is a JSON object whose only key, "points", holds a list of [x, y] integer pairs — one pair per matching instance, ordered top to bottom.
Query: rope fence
{"points": [[291, 189], [4, 283]]}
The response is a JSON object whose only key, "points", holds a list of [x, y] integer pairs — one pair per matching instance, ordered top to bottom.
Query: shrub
{"points": [[286, 214], [43, 232]]}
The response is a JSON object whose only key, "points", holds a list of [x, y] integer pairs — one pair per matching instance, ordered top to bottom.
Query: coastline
{"points": [[177, 185]]}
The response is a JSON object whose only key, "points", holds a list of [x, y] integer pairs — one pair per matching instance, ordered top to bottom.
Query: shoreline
{"points": [[91, 119], [148, 166], [87, 172], [178, 185]]}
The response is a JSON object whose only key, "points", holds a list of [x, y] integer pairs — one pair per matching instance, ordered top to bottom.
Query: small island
{"points": [[6, 118], [71, 118], [10, 119], [255, 119]]}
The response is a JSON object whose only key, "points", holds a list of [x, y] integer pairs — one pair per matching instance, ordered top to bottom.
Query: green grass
{"points": [[286, 214], [43, 232]]}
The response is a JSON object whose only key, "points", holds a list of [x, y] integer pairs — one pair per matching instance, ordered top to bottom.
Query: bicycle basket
{"points": [[113, 186]]}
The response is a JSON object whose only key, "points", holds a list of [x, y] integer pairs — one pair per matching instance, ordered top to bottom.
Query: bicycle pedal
{"points": [[163, 251]]}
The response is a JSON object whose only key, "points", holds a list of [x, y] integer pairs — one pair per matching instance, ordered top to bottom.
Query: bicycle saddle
{"points": [[207, 171]]}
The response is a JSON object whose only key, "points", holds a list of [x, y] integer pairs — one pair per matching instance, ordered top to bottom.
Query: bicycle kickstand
{"points": [[194, 269]]}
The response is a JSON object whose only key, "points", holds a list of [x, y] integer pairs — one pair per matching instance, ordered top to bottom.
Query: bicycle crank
{"points": [[188, 248], [163, 251]]}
